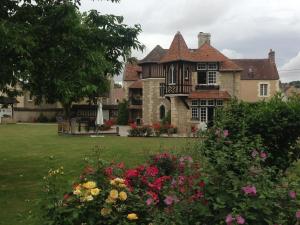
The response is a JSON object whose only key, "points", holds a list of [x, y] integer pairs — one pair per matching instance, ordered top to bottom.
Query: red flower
{"points": [[133, 125], [89, 170], [108, 171], [152, 171], [131, 173], [158, 183], [202, 184]]}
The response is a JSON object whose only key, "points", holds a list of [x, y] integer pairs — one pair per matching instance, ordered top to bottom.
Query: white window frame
{"points": [[201, 66], [212, 66], [172, 75], [214, 78], [264, 89], [203, 102], [211, 102], [195, 103], [195, 113], [203, 114]]}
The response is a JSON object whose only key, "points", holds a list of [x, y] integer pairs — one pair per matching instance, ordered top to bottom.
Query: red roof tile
{"points": [[177, 51], [207, 53], [131, 72], [137, 84], [209, 94]]}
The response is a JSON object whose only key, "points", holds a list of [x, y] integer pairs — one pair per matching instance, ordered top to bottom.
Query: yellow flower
{"points": [[119, 180], [113, 182], [89, 185], [122, 185], [95, 191], [113, 194], [122, 196], [88, 198], [109, 200], [105, 211], [132, 216]]}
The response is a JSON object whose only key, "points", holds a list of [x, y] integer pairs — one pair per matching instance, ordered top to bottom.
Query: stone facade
{"points": [[152, 101]]}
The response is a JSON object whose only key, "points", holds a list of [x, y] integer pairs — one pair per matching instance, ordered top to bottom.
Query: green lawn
{"points": [[25, 158]]}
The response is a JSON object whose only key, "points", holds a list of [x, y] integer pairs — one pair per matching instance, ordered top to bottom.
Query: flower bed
{"points": [[156, 129], [172, 189]]}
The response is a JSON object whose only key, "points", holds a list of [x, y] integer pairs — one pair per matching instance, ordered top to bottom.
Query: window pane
{"points": [[201, 66], [212, 66], [212, 77], [194, 102], [203, 102], [211, 102], [219, 102], [195, 113], [203, 114]]}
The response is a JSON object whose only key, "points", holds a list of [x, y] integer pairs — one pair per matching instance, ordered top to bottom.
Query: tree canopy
{"points": [[60, 54]]}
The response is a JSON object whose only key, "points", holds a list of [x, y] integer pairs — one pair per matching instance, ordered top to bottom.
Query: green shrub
{"points": [[123, 113], [277, 122], [140, 131]]}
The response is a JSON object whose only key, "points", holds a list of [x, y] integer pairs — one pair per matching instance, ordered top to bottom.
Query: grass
{"points": [[28, 151]]}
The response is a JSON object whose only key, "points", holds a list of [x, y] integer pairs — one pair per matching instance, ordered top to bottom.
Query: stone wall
{"points": [[152, 100], [180, 115]]}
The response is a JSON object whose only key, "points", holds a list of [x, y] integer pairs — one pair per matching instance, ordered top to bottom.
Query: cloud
{"points": [[232, 54], [291, 70]]}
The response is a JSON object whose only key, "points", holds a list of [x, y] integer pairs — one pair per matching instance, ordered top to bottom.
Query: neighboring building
{"points": [[192, 83], [291, 90], [25, 109]]}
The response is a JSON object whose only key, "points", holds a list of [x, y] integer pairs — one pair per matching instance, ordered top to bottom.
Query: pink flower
{"points": [[225, 133], [254, 153], [263, 155], [249, 190], [292, 194], [168, 200], [149, 201], [298, 214], [229, 219], [240, 219]]}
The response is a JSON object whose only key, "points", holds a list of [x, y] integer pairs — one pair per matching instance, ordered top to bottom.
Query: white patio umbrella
{"points": [[99, 118]]}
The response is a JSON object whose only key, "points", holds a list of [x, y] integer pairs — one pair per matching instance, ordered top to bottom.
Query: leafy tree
{"points": [[72, 55]]}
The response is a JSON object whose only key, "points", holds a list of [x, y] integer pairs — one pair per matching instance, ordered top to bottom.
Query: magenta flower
{"points": [[254, 153], [263, 155], [249, 190], [292, 194], [298, 214], [229, 219], [240, 219]]}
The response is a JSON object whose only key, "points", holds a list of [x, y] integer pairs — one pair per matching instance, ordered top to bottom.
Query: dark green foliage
{"points": [[60, 54], [123, 113], [42, 118], [277, 122], [140, 131]]}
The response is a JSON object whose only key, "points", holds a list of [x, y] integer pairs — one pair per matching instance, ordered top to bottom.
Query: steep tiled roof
{"points": [[177, 51], [207, 53], [154, 56], [257, 69], [131, 72], [137, 84], [209, 94]]}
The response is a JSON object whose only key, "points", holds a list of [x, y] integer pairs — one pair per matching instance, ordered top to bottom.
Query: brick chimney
{"points": [[203, 38], [272, 56]]}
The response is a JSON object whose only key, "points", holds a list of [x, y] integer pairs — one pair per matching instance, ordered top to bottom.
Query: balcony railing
{"points": [[207, 87], [178, 89], [136, 101]]}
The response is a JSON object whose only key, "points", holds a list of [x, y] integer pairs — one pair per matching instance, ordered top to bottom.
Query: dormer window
{"points": [[201, 66], [212, 66], [172, 75]]}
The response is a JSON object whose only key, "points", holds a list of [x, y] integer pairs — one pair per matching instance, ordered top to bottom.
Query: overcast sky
{"points": [[239, 28]]}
